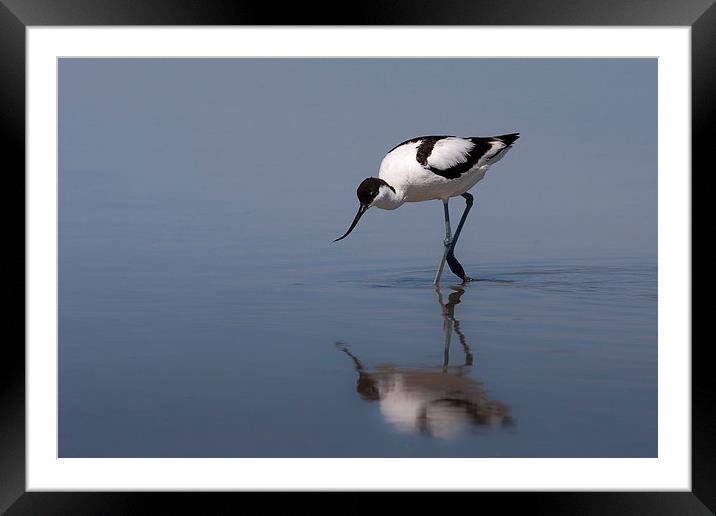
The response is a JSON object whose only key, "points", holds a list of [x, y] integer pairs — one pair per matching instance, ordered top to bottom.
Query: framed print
{"points": [[206, 310]]}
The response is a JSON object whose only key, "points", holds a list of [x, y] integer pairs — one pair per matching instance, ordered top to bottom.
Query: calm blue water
{"points": [[205, 312], [185, 360]]}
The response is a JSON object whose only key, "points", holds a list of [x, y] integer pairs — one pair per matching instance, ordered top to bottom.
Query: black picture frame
{"points": [[16, 15]]}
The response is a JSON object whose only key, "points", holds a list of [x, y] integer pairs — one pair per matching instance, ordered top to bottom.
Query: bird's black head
{"points": [[367, 191]]}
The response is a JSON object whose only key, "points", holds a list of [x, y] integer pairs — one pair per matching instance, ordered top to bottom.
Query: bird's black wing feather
{"points": [[482, 146], [461, 161]]}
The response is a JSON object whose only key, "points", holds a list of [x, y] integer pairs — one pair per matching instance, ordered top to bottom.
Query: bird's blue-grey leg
{"points": [[447, 243], [454, 265]]}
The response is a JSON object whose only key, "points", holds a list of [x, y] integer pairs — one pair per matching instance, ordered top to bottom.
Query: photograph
{"points": [[357, 257]]}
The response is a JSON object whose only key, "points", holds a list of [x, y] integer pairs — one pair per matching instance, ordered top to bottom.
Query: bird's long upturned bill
{"points": [[361, 210]]}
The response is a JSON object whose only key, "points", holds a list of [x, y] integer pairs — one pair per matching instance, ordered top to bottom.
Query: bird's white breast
{"points": [[401, 170]]}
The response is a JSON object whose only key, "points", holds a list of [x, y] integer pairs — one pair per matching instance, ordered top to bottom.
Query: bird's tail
{"points": [[509, 139]]}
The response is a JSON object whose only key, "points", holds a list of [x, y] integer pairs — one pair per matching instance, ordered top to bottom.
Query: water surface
{"points": [[204, 311], [540, 360]]}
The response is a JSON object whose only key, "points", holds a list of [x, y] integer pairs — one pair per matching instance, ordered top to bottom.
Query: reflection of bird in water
{"points": [[449, 322], [440, 403]]}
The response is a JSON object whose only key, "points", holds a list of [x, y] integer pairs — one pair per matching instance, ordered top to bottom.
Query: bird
{"points": [[433, 168]]}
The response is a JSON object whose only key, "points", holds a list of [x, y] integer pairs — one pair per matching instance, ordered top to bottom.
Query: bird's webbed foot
{"points": [[456, 268]]}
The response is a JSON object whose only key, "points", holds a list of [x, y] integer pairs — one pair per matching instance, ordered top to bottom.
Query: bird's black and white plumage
{"points": [[451, 156], [433, 167], [440, 167]]}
